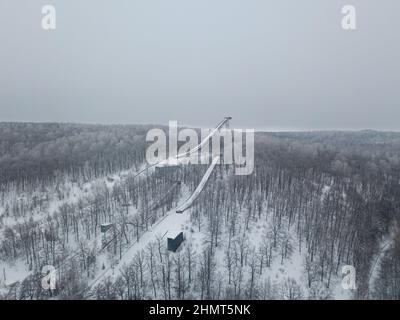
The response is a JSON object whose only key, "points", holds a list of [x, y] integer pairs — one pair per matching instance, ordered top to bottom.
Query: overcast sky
{"points": [[268, 64]]}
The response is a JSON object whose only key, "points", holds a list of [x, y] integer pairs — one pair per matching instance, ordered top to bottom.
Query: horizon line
{"points": [[260, 130]]}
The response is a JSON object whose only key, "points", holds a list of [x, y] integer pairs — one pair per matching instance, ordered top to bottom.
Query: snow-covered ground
{"points": [[12, 273]]}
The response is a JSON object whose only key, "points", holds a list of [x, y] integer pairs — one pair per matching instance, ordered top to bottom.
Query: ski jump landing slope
{"points": [[189, 202]]}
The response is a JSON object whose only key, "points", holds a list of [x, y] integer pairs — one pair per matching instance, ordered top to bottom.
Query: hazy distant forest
{"points": [[316, 201]]}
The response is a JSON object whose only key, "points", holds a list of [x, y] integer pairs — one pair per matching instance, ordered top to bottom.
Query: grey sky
{"points": [[268, 64]]}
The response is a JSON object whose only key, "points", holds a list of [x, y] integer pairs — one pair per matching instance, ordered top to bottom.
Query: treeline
{"points": [[31, 152]]}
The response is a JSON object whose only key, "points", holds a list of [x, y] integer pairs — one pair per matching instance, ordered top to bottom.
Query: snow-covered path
{"points": [[170, 225], [384, 246]]}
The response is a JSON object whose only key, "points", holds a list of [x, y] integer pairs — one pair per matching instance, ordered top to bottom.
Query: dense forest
{"points": [[315, 202]]}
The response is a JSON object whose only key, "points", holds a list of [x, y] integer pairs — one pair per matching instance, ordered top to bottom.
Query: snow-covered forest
{"points": [[315, 202]]}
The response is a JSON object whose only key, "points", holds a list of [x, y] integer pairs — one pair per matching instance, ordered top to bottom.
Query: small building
{"points": [[161, 171], [104, 227], [173, 244]]}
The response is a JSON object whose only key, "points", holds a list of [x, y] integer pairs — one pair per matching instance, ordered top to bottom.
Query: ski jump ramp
{"points": [[185, 155]]}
